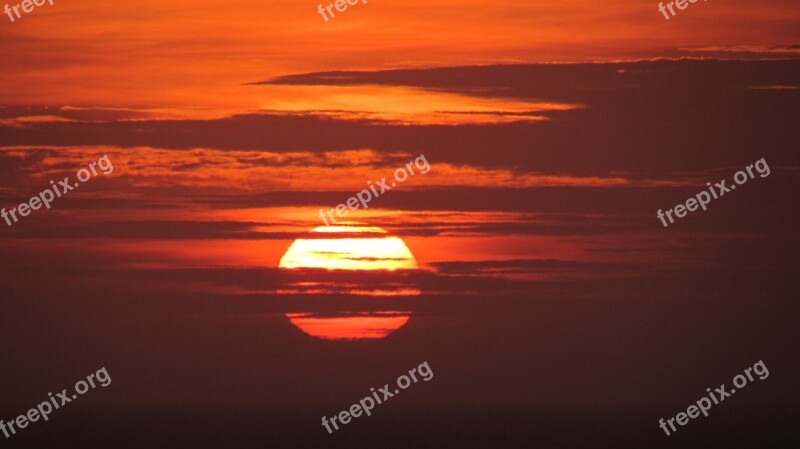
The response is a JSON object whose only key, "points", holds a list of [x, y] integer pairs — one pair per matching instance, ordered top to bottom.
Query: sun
{"points": [[346, 263]]}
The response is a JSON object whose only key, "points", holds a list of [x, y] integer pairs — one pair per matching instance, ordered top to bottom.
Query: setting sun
{"points": [[349, 262]]}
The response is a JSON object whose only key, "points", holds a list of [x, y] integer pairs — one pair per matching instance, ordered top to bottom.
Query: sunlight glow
{"points": [[368, 253], [372, 255], [376, 325]]}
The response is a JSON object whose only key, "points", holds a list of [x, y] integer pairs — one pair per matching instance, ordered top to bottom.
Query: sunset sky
{"points": [[202, 53], [527, 266]]}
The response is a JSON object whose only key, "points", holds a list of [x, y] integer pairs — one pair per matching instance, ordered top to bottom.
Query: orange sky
{"points": [[199, 53]]}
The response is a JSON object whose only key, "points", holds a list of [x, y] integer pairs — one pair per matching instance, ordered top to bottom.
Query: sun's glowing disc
{"points": [[345, 263]]}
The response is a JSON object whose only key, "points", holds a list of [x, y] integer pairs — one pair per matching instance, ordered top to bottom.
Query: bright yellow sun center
{"points": [[350, 248]]}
